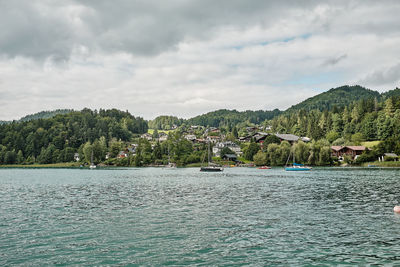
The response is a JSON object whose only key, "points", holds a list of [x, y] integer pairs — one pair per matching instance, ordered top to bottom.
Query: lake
{"points": [[156, 216]]}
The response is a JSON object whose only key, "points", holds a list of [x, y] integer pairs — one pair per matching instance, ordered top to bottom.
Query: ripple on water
{"points": [[158, 217]]}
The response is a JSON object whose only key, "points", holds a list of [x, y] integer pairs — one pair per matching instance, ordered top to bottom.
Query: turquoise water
{"points": [[242, 216]]}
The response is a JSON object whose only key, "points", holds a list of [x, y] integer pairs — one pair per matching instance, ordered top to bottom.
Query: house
{"points": [[251, 129], [211, 130], [147, 136], [162, 137], [190, 137], [260, 137], [247, 138], [291, 138], [213, 139], [305, 139], [221, 145], [132, 149], [352, 151], [122, 154], [390, 156], [76, 157], [230, 157]]}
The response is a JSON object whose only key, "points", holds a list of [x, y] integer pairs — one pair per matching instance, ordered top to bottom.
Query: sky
{"points": [[188, 57]]}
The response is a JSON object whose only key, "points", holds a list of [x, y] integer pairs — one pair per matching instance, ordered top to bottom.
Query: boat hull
{"points": [[211, 169], [297, 169]]}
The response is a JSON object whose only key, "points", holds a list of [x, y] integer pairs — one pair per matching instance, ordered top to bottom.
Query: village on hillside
{"points": [[229, 149]]}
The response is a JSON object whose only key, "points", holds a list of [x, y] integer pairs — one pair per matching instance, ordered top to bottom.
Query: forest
{"points": [[348, 115]]}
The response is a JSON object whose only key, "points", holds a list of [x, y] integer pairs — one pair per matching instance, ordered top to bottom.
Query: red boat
{"points": [[264, 168]]}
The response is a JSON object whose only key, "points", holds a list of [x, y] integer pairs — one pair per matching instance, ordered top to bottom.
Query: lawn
{"points": [[151, 131], [370, 144]]}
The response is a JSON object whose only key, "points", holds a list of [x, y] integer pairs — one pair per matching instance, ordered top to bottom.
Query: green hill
{"points": [[394, 92], [339, 97], [45, 114], [232, 117]]}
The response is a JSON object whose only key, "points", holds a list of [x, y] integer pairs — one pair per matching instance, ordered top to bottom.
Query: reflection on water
{"points": [[160, 216]]}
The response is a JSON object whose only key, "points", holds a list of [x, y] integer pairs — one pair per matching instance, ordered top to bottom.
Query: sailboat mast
{"points": [[209, 154]]}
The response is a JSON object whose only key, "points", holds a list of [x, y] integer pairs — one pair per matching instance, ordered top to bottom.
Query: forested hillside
{"points": [[335, 98], [45, 114], [224, 117], [363, 120], [165, 122], [57, 139]]}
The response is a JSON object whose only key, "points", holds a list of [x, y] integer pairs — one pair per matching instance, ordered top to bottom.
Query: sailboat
{"points": [[170, 164], [92, 165], [296, 166], [211, 167]]}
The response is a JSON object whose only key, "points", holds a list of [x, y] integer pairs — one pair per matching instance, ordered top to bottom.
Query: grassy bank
{"points": [[54, 165]]}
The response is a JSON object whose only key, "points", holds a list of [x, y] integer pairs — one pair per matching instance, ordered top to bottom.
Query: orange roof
{"points": [[336, 148]]}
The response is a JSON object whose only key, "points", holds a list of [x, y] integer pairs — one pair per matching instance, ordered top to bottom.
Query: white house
{"points": [[231, 145]]}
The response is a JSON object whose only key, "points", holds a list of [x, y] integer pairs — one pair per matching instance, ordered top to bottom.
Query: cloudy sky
{"points": [[187, 57]]}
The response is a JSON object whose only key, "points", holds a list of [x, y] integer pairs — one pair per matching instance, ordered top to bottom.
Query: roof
{"points": [[287, 137], [337, 148], [358, 148], [391, 155], [232, 156]]}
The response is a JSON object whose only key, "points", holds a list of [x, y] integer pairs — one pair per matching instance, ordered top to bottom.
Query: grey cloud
{"points": [[40, 29], [334, 60], [382, 77]]}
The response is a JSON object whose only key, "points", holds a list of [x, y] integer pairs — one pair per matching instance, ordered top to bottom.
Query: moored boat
{"points": [[296, 166], [211, 167], [264, 168]]}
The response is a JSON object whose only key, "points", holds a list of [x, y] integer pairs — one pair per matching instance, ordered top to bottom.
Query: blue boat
{"points": [[298, 167]]}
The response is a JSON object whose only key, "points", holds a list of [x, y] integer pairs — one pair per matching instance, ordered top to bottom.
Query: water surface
{"points": [[155, 216]]}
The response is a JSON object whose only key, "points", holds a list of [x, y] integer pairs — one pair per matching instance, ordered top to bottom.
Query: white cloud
{"points": [[186, 58]]}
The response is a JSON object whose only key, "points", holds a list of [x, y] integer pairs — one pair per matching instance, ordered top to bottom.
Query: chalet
{"points": [[147, 136], [162, 137], [190, 137], [260, 137], [247, 138], [213, 139], [231, 145], [352, 151], [76, 157]]}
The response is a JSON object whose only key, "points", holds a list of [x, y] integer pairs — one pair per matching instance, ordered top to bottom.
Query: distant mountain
{"points": [[339, 97], [45, 114], [232, 117]]}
